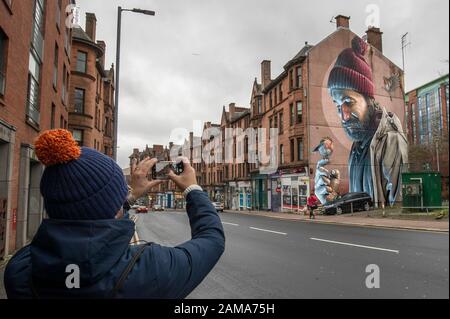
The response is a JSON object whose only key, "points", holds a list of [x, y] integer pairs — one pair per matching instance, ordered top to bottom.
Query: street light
{"points": [[146, 12], [117, 75]]}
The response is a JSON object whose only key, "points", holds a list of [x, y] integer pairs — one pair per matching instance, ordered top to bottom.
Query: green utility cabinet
{"points": [[422, 190]]}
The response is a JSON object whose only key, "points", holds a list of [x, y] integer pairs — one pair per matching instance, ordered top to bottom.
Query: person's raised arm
{"points": [[182, 269]]}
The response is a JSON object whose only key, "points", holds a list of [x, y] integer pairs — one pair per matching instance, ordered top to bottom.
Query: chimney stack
{"points": [[342, 21], [91, 25], [375, 38], [102, 44], [266, 73], [232, 109]]}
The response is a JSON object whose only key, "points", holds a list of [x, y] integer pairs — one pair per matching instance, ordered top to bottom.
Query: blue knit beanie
{"points": [[78, 183]]}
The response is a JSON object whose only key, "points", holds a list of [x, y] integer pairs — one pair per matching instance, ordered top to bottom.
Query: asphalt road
{"points": [[269, 258]]}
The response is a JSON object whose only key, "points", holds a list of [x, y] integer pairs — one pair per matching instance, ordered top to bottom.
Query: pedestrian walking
{"points": [[312, 203], [83, 250]]}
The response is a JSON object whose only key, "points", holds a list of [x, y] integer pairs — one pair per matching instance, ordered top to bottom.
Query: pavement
{"points": [[394, 219], [278, 258]]}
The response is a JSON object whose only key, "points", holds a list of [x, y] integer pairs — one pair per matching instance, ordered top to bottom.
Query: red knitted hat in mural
{"points": [[352, 71]]}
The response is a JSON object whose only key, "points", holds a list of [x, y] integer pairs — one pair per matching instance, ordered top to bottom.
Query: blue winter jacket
{"points": [[101, 250]]}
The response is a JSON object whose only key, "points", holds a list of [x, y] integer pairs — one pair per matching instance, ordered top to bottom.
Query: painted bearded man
{"points": [[379, 145]]}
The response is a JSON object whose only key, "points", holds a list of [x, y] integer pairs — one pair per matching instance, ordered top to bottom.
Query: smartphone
{"points": [[161, 170]]}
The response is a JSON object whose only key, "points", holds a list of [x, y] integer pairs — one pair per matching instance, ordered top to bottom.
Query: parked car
{"points": [[343, 205], [219, 206], [135, 207], [158, 208], [142, 210]]}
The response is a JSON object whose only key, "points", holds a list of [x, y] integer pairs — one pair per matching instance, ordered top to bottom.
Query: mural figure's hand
{"points": [[335, 180], [322, 181]]}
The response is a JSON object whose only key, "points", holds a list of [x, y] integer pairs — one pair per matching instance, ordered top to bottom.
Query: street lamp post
{"points": [[117, 75]]}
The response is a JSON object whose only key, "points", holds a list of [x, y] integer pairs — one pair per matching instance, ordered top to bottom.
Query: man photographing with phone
{"points": [[84, 192]]}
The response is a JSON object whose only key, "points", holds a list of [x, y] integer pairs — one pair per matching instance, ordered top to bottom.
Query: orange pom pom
{"points": [[56, 147]]}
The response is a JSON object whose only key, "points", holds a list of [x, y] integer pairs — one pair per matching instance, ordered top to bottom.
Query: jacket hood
{"points": [[94, 246]]}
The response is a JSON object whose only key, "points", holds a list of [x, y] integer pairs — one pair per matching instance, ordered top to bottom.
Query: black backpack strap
{"points": [[128, 269]]}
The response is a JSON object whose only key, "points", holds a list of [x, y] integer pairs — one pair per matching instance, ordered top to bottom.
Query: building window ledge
{"points": [[85, 75], [82, 115], [31, 123]]}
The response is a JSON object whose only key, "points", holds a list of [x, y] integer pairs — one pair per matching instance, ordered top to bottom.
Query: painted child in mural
{"points": [[380, 147]]}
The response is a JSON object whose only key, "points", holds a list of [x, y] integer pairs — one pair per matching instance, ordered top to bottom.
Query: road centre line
{"points": [[231, 224], [269, 231], [355, 245]]}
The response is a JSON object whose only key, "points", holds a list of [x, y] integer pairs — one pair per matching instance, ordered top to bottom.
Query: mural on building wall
{"points": [[379, 146], [332, 177]]}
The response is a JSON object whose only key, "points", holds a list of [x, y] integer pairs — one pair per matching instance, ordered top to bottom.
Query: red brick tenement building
{"points": [[34, 82], [298, 104], [284, 107], [91, 111], [211, 169], [233, 176]]}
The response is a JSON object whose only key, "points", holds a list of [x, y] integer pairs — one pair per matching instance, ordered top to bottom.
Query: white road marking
{"points": [[225, 223], [269, 231], [355, 245]]}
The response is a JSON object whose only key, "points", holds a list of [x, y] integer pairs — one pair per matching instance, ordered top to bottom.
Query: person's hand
{"points": [[187, 178], [322, 181], [140, 184]]}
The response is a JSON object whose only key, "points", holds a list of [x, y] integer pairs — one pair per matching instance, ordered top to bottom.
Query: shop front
{"points": [[289, 190], [260, 192], [295, 192], [275, 193], [245, 195], [160, 198], [232, 198], [169, 200], [180, 201]]}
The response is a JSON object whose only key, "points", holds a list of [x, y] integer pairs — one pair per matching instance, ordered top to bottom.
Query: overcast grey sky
{"points": [[195, 56]]}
